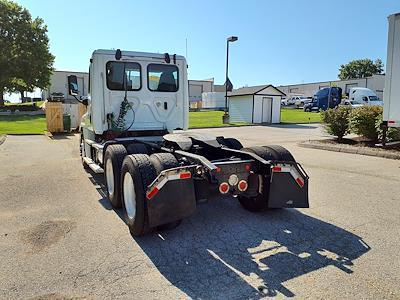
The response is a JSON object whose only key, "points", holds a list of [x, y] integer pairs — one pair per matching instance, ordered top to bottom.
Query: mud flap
{"points": [[286, 190], [175, 201]]}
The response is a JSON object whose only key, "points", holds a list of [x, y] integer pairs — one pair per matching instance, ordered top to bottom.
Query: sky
{"points": [[280, 42]]}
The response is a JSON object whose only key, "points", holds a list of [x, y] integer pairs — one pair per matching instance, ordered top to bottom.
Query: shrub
{"points": [[336, 121], [363, 121], [392, 134]]}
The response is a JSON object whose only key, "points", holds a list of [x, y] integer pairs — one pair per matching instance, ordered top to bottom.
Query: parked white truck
{"points": [[391, 94], [360, 96], [156, 171]]}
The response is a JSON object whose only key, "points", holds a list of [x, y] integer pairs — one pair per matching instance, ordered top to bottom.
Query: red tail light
{"points": [[276, 169], [185, 175], [242, 185], [224, 188]]}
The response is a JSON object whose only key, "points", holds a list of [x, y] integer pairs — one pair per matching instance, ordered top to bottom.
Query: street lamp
{"points": [[225, 117]]}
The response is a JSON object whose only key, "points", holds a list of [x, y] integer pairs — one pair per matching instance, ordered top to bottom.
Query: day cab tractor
{"points": [[135, 131]]}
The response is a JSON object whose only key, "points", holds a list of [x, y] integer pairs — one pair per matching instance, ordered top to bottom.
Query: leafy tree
{"points": [[25, 59], [360, 68]]}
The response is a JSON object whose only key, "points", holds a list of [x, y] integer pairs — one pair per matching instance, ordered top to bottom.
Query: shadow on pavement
{"points": [[224, 251]]}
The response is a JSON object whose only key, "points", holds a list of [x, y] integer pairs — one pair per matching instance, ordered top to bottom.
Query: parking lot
{"points": [[60, 238]]}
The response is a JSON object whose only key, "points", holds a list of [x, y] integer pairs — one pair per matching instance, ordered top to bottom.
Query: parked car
{"points": [[325, 98], [284, 102]]}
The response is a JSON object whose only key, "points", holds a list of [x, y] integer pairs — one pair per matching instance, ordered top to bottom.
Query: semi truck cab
{"points": [[324, 99], [135, 132]]}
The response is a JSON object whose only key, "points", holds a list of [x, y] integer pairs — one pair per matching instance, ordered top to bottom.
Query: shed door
{"points": [[266, 110]]}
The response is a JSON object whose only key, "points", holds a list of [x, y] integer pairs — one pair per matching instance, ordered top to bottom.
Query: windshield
{"points": [[374, 98]]}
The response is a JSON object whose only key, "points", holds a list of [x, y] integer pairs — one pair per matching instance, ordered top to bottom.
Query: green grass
{"points": [[38, 103], [299, 116], [199, 119], [22, 124]]}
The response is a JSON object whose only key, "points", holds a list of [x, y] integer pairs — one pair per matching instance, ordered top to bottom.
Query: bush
{"points": [[336, 121], [363, 121], [392, 134]]}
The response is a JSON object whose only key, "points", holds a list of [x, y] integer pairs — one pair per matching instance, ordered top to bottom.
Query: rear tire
{"points": [[280, 153], [113, 159], [161, 162], [137, 174], [255, 198]]}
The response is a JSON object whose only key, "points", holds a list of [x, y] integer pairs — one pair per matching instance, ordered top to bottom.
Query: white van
{"points": [[359, 96]]}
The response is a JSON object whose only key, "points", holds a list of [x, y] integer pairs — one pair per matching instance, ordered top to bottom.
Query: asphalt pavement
{"points": [[60, 238]]}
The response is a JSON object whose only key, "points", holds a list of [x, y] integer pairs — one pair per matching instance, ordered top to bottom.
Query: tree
{"points": [[25, 59], [360, 68]]}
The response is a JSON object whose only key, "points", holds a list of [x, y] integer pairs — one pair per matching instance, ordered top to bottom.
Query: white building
{"points": [[375, 83], [59, 84], [198, 87], [256, 104]]}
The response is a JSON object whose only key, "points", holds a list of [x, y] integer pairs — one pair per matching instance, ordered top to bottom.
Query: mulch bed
{"points": [[360, 142], [355, 146]]}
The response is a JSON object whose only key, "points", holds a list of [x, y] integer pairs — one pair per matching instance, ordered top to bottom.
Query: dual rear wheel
{"points": [[127, 178], [255, 198]]}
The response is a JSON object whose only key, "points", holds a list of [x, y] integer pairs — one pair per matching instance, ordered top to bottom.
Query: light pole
{"points": [[225, 117]]}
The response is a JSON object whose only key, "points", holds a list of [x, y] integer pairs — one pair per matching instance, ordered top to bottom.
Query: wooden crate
{"points": [[54, 117]]}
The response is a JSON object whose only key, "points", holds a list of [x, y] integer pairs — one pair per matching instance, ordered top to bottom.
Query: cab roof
{"points": [[136, 54]]}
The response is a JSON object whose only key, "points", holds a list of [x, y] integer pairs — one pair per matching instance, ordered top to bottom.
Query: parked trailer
{"points": [[391, 95], [135, 132]]}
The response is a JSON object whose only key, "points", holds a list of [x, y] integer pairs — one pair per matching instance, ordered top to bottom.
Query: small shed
{"points": [[257, 104]]}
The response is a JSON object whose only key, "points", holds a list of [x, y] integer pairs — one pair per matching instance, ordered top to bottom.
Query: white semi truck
{"points": [[391, 95], [135, 132]]}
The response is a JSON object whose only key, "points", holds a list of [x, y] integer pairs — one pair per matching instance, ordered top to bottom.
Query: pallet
{"points": [[54, 116]]}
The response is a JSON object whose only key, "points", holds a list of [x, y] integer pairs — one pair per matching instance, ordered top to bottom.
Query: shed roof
{"points": [[254, 90]]}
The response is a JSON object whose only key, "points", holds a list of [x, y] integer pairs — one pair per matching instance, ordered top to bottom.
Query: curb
{"points": [[2, 139], [352, 150]]}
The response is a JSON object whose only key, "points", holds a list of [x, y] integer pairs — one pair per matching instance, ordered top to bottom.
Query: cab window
{"points": [[123, 75], [162, 78]]}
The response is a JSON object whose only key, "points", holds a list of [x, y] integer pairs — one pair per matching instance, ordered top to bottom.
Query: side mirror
{"points": [[73, 85], [84, 100]]}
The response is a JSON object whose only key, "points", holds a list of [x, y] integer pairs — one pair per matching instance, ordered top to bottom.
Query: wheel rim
{"points": [[110, 177], [129, 196]]}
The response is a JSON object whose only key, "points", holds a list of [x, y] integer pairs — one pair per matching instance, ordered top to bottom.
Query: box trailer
{"points": [[391, 95], [156, 170]]}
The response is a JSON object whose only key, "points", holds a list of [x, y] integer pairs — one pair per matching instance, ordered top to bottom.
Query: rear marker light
{"points": [[391, 122], [276, 169], [185, 175], [300, 181], [242, 186], [224, 188], [152, 193]]}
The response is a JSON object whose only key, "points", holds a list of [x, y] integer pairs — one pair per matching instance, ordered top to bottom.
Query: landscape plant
{"points": [[336, 121], [363, 121]]}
